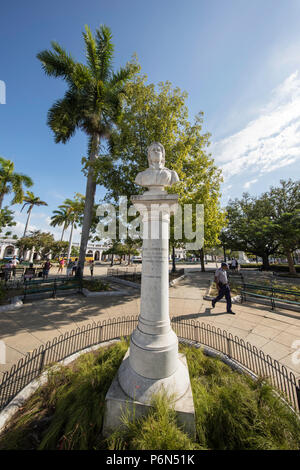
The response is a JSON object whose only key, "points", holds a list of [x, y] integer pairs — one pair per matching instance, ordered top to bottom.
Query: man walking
{"points": [[223, 287]]}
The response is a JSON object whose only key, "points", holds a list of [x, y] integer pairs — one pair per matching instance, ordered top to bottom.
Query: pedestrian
{"points": [[14, 263], [92, 264], [234, 264], [61, 266], [8, 268], [69, 268], [74, 268], [46, 269], [29, 272], [223, 287]]}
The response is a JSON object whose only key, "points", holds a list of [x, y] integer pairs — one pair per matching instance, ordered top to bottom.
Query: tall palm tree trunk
{"points": [[88, 208], [27, 221], [62, 235], [70, 243]]}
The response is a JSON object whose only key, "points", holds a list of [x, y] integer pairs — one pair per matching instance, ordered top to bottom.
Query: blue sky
{"points": [[239, 61]]}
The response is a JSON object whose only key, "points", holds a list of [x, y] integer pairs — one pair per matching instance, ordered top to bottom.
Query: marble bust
{"points": [[156, 177]]}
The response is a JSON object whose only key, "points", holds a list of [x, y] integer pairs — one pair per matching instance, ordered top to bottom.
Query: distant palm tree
{"points": [[92, 103], [11, 182], [31, 200], [74, 210], [61, 217]]}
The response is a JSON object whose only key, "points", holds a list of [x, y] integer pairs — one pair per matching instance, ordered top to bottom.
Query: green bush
{"points": [[273, 267], [96, 285]]}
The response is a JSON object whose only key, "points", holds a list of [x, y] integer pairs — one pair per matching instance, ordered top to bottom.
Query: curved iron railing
{"points": [[31, 366]]}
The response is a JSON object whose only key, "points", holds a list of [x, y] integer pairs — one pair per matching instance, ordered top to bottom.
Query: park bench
{"points": [[36, 286], [270, 294]]}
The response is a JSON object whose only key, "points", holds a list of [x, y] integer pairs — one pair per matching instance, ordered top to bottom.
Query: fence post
{"points": [[100, 334], [228, 347], [43, 354], [298, 394]]}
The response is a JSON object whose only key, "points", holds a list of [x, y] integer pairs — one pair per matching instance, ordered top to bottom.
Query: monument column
{"points": [[153, 364]]}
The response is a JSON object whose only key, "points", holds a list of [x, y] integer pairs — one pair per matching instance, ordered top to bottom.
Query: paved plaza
{"points": [[39, 321]]}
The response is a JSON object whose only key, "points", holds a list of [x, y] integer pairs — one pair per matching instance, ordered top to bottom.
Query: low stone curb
{"points": [[123, 281], [175, 281], [89, 293], [16, 302], [11, 409]]}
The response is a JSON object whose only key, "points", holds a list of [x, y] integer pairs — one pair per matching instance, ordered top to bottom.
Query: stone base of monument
{"points": [[118, 403]]}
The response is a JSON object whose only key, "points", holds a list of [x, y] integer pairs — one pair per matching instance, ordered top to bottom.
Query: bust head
{"points": [[156, 156]]}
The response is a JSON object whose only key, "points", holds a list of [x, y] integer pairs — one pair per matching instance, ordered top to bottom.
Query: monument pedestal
{"points": [[118, 403]]}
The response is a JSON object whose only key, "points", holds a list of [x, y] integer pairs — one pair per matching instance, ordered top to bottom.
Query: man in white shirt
{"points": [[14, 263], [223, 287]]}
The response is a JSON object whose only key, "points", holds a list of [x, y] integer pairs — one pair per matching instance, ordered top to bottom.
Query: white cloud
{"points": [[270, 141], [249, 183], [42, 223]]}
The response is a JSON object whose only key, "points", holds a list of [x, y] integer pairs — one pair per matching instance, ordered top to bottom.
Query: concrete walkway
{"points": [[40, 321]]}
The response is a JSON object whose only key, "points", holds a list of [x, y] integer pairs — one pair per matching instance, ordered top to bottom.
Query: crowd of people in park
{"points": [[9, 269]]}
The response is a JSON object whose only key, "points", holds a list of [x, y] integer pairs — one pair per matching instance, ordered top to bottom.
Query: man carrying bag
{"points": [[223, 287]]}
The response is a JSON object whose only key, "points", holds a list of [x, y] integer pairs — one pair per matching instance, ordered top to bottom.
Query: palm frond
{"points": [[91, 51], [105, 51], [58, 63], [121, 76], [64, 116]]}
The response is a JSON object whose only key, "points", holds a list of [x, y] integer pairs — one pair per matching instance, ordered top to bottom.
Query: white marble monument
{"points": [[153, 363]]}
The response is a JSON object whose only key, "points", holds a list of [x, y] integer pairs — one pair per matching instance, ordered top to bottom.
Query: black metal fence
{"points": [[128, 274], [134, 274], [32, 365]]}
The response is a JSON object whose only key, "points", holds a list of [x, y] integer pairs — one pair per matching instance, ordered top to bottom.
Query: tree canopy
{"points": [[161, 115], [266, 224]]}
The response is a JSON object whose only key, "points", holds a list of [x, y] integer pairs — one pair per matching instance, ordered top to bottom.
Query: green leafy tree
{"points": [[92, 103], [161, 115], [12, 182], [31, 201], [285, 202], [6, 218], [250, 227], [41, 242], [58, 247], [116, 249], [75, 251]]}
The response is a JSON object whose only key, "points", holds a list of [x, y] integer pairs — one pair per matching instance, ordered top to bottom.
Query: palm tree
{"points": [[92, 103], [11, 182], [31, 200], [74, 210], [61, 217]]}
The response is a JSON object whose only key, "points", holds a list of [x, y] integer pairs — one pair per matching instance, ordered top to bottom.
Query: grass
{"points": [[96, 285], [232, 411]]}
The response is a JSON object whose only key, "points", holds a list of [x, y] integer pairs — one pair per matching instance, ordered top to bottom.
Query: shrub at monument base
{"points": [[95, 285], [232, 411]]}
